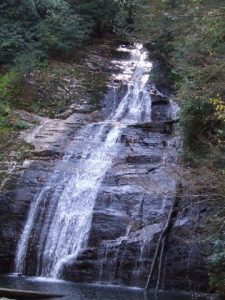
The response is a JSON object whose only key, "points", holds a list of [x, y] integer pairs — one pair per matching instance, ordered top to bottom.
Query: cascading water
{"points": [[60, 217]]}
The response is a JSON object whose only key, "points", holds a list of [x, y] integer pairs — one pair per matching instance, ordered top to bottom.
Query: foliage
{"points": [[107, 16], [31, 28], [39, 28], [61, 33], [7, 82], [219, 107], [22, 125], [217, 263]]}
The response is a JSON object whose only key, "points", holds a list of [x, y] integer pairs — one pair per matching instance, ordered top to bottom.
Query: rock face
{"points": [[131, 206], [130, 212]]}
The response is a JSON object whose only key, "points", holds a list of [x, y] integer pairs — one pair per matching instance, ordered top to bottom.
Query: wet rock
{"points": [[158, 98], [161, 112], [165, 126], [143, 159], [106, 227]]}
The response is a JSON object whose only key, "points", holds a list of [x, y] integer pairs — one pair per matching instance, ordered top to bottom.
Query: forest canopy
{"points": [[36, 29]]}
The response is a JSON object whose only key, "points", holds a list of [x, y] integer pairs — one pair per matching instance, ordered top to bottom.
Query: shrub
{"points": [[22, 125]]}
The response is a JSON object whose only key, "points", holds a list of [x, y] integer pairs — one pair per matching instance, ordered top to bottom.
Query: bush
{"points": [[61, 33], [22, 125], [217, 264]]}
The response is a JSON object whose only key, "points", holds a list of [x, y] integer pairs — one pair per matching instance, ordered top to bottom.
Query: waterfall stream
{"points": [[60, 217]]}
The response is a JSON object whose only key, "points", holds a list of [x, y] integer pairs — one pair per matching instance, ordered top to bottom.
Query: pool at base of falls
{"points": [[77, 291]]}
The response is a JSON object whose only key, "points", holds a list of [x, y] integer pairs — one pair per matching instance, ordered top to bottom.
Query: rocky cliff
{"points": [[133, 203]]}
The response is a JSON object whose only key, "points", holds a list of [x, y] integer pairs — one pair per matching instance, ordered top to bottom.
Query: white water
{"points": [[65, 223]]}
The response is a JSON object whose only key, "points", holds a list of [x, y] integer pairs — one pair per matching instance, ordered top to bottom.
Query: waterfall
{"points": [[60, 217]]}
